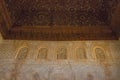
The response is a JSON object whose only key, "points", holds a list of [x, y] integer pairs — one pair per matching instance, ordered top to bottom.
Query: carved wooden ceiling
{"points": [[58, 19]]}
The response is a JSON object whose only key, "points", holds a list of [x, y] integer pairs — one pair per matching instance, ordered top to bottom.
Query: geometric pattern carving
{"points": [[59, 12], [6, 51], [22, 53], [62, 53], [81, 53], [42, 54], [100, 54], [61, 70]]}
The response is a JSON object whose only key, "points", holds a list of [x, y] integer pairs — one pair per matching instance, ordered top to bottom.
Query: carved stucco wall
{"points": [[0, 38], [21, 60]]}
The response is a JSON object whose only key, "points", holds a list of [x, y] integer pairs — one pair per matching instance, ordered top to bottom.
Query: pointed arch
{"points": [[22, 53], [42, 53], [100, 54]]}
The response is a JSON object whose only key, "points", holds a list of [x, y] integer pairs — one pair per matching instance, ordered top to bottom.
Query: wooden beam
{"points": [[5, 14], [62, 33]]}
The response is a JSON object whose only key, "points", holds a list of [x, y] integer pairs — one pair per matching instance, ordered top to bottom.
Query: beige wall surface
{"points": [[0, 38], [70, 60]]}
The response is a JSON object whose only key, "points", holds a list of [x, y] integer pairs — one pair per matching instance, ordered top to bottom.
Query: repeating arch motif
{"points": [[61, 53]]}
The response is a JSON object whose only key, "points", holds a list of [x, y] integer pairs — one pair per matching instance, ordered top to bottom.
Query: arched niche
{"points": [[22, 53], [42, 53], [62, 53], [81, 53], [100, 54]]}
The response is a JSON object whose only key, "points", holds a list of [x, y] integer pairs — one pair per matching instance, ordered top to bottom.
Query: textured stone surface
{"points": [[73, 67]]}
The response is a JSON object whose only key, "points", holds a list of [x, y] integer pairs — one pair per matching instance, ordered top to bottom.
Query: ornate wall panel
{"points": [[99, 65]]}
